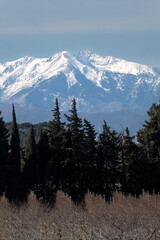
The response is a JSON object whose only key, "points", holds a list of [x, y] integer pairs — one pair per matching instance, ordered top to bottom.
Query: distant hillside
{"points": [[24, 130]]}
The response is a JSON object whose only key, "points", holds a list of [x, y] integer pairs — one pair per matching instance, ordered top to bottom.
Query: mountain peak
{"points": [[85, 53], [60, 56], [97, 82]]}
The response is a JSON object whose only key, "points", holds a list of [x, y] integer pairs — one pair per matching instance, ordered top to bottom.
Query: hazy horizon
{"points": [[125, 29]]}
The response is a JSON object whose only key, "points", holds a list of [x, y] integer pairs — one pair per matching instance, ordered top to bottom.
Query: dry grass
{"points": [[124, 218]]}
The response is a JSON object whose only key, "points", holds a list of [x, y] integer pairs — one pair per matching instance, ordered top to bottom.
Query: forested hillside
{"points": [[23, 129]]}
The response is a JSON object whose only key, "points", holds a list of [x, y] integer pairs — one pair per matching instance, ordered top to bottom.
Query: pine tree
{"points": [[56, 127], [56, 133], [77, 134], [149, 135], [149, 140], [15, 144], [4, 148], [129, 155], [90, 156], [43, 158], [107, 161], [135, 165], [30, 168], [69, 168], [123, 174], [14, 175], [76, 180]]}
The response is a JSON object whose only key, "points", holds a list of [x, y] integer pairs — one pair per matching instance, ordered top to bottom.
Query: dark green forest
{"points": [[23, 130], [70, 156]]}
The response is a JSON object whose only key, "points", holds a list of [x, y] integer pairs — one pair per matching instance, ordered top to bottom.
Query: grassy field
{"points": [[124, 218]]}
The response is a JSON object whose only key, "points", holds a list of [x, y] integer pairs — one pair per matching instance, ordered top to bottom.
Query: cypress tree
{"points": [[15, 144], [4, 148], [90, 155], [43, 158], [14, 166], [30, 168]]}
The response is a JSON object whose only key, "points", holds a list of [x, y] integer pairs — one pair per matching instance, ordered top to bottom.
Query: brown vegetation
{"points": [[122, 218]]}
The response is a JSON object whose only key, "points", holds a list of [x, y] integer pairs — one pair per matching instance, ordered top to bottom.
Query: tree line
{"points": [[24, 129], [73, 158]]}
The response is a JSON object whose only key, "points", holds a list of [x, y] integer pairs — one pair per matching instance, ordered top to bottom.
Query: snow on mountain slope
{"points": [[114, 64], [98, 83]]}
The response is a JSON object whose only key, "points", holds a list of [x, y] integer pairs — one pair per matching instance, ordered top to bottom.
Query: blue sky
{"points": [[128, 29]]}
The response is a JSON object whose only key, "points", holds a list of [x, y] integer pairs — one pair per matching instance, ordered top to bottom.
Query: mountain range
{"points": [[99, 84]]}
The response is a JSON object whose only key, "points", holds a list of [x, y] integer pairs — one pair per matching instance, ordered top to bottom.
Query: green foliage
{"points": [[24, 129], [55, 129], [56, 132], [77, 133], [149, 135], [149, 139], [15, 145], [30, 145], [4, 148], [130, 152], [90, 155], [68, 156], [43, 157], [107, 160], [14, 164], [30, 168], [75, 176], [44, 190]]}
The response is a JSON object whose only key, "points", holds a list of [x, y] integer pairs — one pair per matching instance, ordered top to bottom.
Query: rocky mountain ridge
{"points": [[98, 83]]}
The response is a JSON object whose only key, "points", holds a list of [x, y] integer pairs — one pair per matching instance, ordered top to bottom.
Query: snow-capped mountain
{"points": [[98, 83]]}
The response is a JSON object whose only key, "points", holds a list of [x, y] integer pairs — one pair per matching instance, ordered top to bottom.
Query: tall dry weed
{"points": [[123, 218]]}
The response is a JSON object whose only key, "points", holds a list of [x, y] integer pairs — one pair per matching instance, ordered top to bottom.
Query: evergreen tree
{"points": [[56, 127], [56, 133], [77, 134], [149, 135], [149, 140], [15, 144], [4, 148], [129, 155], [90, 156], [43, 158], [121, 158], [107, 161], [135, 166], [30, 168], [69, 168], [14, 175], [76, 180]]}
